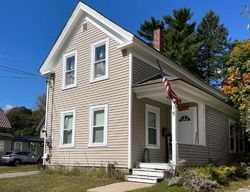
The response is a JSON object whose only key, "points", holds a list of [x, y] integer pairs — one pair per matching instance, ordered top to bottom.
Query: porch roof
{"points": [[152, 88]]}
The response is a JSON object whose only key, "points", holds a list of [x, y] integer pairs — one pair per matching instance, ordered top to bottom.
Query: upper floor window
{"points": [[99, 65], [69, 69]]}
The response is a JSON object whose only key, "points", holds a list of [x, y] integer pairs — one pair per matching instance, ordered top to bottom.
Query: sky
{"points": [[28, 29]]}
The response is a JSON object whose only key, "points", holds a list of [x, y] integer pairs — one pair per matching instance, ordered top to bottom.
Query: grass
{"points": [[12, 169], [52, 183]]}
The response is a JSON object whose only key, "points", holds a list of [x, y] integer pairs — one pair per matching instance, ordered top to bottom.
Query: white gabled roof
{"points": [[112, 29]]}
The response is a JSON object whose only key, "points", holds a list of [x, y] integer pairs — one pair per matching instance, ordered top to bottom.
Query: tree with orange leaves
{"points": [[237, 79]]}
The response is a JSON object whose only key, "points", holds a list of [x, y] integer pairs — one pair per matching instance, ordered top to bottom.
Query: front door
{"points": [[187, 126]]}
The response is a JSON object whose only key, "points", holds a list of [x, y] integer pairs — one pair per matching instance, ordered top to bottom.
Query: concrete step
{"points": [[160, 166], [148, 172], [142, 179]]}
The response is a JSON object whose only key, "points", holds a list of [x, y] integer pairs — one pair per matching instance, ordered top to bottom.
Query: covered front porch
{"points": [[161, 128]]}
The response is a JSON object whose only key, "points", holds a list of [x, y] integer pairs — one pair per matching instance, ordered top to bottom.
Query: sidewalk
{"points": [[18, 174], [120, 187]]}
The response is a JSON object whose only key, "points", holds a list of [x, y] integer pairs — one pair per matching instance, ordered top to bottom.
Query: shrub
{"points": [[193, 181]]}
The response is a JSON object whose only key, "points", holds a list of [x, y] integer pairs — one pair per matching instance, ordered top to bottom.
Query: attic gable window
{"points": [[99, 64], [69, 70]]}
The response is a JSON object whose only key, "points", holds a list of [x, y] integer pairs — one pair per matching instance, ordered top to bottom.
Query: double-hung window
{"points": [[99, 65], [69, 69], [98, 126], [152, 127], [67, 128], [232, 136]]}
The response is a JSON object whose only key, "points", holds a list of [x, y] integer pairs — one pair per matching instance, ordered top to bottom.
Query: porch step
{"points": [[160, 166], [148, 172], [142, 179]]}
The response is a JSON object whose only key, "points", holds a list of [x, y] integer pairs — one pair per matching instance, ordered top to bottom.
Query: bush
{"points": [[194, 181]]}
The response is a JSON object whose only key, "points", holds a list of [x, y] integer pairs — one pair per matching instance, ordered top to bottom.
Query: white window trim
{"points": [[65, 56], [92, 73], [156, 110], [63, 114], [201, 124], [105, 131], [234, 136], [3, 145], [21, 148]]}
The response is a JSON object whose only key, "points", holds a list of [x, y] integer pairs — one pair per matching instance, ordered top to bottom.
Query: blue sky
{"points": [[29, 28]]}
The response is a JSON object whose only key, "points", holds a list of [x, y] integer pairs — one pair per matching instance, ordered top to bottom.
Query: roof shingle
{"points": [[4, 122]]}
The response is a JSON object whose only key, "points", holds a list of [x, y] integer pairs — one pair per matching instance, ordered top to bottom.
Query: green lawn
{"points": [[12, 169], [52, 183]]}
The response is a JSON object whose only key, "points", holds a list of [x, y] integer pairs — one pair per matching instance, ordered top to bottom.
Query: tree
{"points": [[147, 28], [180, 40], [180, 43], [214, 48], [237, 79], [41, 102], [21, 121], [25, 121]]}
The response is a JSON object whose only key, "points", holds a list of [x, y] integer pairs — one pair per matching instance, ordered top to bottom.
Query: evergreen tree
{"points": [[147, 29], [180, 43], [214, 47]]}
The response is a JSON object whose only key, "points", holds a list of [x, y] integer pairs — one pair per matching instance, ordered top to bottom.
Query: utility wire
{"points": [[13, 70], [19, 77]]}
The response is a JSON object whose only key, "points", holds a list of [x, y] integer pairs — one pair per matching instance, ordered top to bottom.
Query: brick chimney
{"points": [[158, 39]]}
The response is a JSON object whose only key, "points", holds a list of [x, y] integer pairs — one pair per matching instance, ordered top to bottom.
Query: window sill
{"points": [[98, 79], [69, 87], [96, 145], [199, 145], [66, 146], [153, 147]]}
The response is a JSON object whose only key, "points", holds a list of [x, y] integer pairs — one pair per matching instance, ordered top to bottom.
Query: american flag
{"points": [[169, 91]]}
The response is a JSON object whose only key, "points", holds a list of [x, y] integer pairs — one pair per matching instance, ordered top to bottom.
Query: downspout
{"points": [[130, 100], [46, 121]]}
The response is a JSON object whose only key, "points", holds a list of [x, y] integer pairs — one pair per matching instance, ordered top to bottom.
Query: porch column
{"points": [[174, 134]]}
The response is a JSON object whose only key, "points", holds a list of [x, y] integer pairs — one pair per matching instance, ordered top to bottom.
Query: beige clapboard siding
{"points": [[142, 71], [113, 91], [138, 130], [217, 141]]}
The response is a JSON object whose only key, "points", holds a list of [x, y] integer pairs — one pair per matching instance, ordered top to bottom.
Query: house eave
{"points": [[188, 92]]}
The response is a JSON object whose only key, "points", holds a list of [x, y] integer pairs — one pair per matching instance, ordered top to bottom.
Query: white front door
{"points": [[187, 126]]}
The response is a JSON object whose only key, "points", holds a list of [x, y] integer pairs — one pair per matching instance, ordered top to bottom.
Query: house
{"points": [[106, 102], [5, 135], [27, 144]]}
